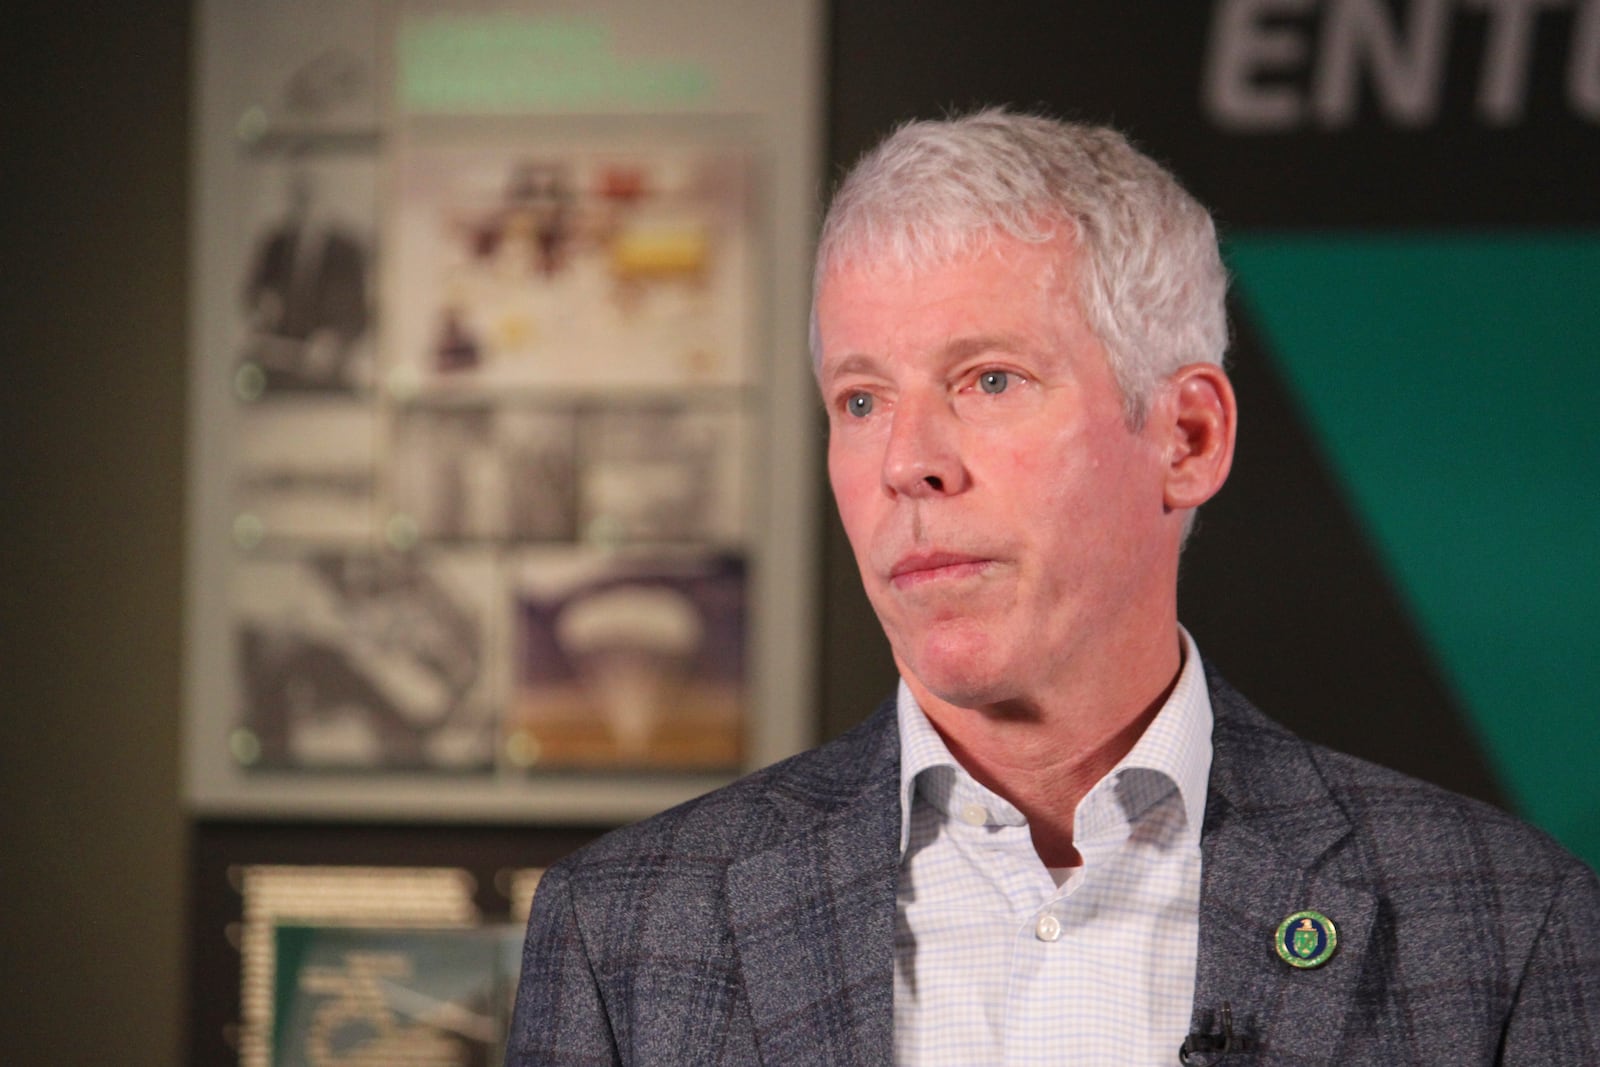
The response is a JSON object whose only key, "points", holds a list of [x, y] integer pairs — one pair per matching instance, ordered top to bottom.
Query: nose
{"points": [[923, 456]]}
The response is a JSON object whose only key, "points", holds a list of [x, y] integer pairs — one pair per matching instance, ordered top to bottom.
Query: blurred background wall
{"points": [[95, 201], [1308, 582]]}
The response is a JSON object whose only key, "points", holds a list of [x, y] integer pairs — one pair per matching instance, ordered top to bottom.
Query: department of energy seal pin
{"points": [[1306, 939]]}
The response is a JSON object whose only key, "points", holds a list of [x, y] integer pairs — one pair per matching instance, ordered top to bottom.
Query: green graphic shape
{"points": [[501, 62], [1453, 382]]}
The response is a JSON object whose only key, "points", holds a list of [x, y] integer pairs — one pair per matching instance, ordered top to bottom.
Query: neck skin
{"points": [[1045, 755]]}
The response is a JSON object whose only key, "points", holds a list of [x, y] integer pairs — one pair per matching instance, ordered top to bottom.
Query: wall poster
{"points": [[500, 475], [376, 965]]}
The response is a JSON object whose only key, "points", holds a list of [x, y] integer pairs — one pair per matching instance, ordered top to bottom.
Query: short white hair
{"points": [[1152, 284]]}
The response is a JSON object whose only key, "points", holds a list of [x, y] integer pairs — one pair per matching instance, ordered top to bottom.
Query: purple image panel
{"points": [[629, 661]]}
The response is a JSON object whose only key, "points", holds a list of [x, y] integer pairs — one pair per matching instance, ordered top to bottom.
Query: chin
{"points": [[967, 673], [967, 693]]}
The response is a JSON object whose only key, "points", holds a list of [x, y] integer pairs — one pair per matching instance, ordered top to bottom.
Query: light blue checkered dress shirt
{"points": [[996, 964]]}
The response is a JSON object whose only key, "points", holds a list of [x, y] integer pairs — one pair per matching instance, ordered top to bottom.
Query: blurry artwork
{"points": [[309, 68], [533, 265], [305, 294], [484, 303], [564, 364], [306, 471], [476, 472], [662, 473], [496, 520], [366, 661], [630, 662], [345, 902], [429, 998]]}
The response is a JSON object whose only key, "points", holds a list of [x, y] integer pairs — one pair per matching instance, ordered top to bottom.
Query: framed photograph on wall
{"points": [[501, 477], [628, 660], [366, 661], [435, 998]]}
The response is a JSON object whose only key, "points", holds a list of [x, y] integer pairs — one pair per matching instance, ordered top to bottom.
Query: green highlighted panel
{"points": [[506, 63], [1454, 384]]}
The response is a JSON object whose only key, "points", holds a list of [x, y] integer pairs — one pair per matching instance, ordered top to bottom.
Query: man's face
{"points": [[1009, 526]]}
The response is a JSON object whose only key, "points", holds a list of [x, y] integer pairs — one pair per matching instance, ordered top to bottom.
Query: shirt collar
{"points": [[1176, 745]]}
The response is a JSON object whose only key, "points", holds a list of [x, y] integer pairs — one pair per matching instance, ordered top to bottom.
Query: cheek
{"points": [[1044, 473], [854, 479], [1070, 498]]}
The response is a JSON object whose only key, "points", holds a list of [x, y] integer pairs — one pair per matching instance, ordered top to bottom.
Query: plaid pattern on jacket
{"points": [[755, 925]]}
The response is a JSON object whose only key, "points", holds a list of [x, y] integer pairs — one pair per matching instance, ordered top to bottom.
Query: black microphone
{"points": [[1201, 1050]]}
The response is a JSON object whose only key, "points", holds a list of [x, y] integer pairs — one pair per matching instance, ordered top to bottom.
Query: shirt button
{"points": [[974, 815], [1048, 928]]}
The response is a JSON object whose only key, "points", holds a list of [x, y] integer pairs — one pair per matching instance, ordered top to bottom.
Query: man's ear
{"points": [[1200, 420]]}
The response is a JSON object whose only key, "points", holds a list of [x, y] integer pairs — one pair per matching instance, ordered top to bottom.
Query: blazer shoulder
{"points": [[787, 798], [1424, 822]]}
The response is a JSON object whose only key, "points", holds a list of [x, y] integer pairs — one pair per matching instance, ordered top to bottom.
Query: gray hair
{"points": [[1152, 280]]}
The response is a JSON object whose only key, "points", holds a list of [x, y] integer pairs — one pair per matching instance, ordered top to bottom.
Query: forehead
{"points": [[892, 254], [1005, 287]]}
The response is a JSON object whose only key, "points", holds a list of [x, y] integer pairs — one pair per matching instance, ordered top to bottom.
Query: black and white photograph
{"points": [[309, 70], [306, 297], [306, 471], [475, 472], [668, 472], [366, 661]]}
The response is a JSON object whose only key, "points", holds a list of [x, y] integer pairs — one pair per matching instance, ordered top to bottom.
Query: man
{"points": [[306, 297], [1066, 840]]}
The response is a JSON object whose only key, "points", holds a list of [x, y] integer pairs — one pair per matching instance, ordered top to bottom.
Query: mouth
{"points": [[923, 567]]}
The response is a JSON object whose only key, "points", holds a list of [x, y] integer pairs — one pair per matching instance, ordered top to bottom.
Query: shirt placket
{"points": [[1001, 849]]}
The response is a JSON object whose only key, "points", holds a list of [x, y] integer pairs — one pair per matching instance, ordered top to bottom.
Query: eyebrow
{"points": [[966, 347], [952, 352], [855, 363]]}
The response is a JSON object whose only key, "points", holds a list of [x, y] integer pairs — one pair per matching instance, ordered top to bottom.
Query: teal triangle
{"points": [[1453, 382]]}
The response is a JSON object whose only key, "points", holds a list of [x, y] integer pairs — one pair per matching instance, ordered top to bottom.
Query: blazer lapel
{"points": [[1276, 842], [813, 921]]}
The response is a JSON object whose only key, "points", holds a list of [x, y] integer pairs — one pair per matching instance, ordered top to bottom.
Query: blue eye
{"points": [[994, 381], [859, 404]]}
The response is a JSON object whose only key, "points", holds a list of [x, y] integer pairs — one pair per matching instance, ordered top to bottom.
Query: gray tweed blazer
{"points": [[756, 925]]}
